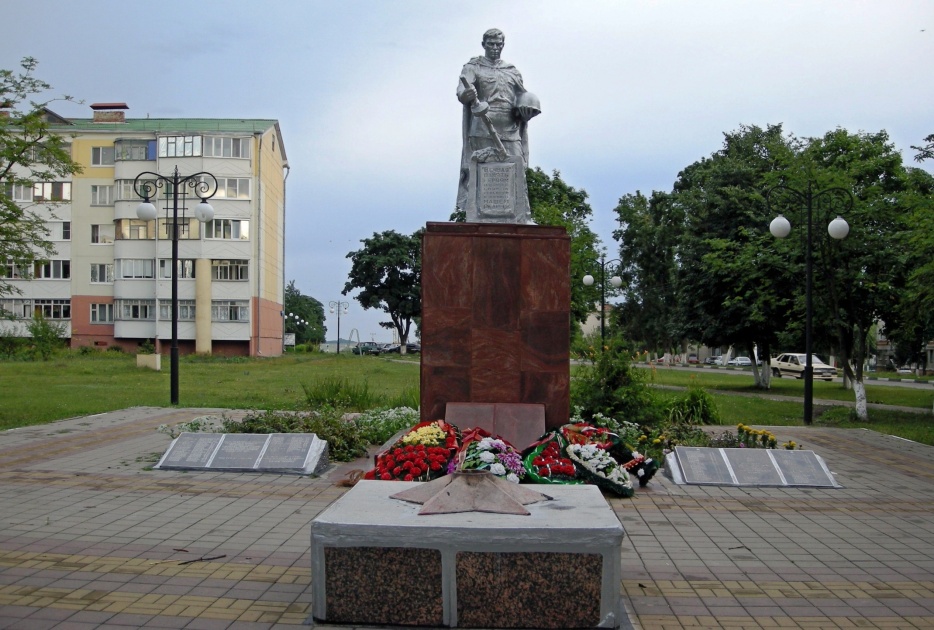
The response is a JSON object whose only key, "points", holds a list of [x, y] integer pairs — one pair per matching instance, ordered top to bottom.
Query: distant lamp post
{"points": [[204, 185], [831, 200], [615, 281], [340, 308]]}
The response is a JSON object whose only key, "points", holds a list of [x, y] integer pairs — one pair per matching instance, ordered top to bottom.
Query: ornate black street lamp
{"points": [[204, 185], [830, 201], [615, 280], [338, 306]]}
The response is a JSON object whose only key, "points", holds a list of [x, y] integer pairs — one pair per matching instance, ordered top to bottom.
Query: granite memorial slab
{"points": [[518, 424], [296, 453], [748, 467], [495, 569]]}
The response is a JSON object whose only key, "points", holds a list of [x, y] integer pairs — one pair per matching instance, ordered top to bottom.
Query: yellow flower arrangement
{"points": [[430, 435]]}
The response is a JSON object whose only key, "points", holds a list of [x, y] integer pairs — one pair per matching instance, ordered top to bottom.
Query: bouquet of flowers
{"points": [[482, 451], [422, 454], [545, 461], [596, 465]]}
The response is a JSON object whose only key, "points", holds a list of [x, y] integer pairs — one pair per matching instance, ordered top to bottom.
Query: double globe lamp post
{"points": [[204, 185], [829, 199], [616, 283], [338, 307]]}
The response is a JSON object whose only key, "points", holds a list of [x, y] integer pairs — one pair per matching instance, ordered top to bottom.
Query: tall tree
{"points": [[29, 154], [554, 202], [648, 236], [388, 272], [731, 285], [307, 309]]}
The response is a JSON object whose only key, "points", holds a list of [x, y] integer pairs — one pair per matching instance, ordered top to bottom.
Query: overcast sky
{"points": [[631, 92]]}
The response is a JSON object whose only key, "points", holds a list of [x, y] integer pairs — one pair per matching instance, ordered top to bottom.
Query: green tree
{"points": [[29, 153], [554, 202], [648, 236], [388, 272], [732, 285], [303, 308], [46, 336]]}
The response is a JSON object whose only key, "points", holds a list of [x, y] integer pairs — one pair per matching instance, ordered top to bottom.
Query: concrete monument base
{"points": [[375, 560]]}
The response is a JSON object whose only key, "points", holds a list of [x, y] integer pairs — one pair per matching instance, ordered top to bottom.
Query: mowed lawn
{"points": [[71, 385]]}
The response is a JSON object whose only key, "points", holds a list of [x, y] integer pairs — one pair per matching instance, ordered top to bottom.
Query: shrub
{"points": [[46, 337], [146, 347], [613, 387], [695, 406], [379, 425], [346, 441]]}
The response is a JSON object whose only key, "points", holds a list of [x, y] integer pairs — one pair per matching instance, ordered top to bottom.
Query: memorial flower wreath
{"points": [[482, 451], [422, 454], [546, 462], [596, 465]]}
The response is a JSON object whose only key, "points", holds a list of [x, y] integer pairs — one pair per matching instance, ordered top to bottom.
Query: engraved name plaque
{"points": [[497, 192], [296, 453], [748, 467]]}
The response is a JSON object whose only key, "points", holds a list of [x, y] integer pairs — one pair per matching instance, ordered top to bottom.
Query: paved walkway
{"points": [[91, 538]]}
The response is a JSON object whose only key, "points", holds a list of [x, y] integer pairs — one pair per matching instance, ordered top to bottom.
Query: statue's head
{"points": [[493, 41]]}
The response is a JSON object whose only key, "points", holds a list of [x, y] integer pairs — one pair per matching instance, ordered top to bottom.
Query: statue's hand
{"points": [[469, 95], [528, 113]]}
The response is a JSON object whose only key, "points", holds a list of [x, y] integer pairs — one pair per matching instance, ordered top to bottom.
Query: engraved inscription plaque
{"points": [[497, 189], [190, 450], [286, 450], [238, 451], [295, 453], [703, 465], [753, 467], [803, 468]]}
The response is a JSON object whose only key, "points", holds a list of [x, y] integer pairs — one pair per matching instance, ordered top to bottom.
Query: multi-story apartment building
{"points": [[110, 279]]}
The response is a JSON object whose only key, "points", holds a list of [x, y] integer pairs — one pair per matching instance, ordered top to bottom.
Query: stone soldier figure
{"points": [[497, 109]]}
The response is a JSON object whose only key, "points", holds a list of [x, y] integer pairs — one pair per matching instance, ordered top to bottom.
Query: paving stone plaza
{"points": [[91, 537]]}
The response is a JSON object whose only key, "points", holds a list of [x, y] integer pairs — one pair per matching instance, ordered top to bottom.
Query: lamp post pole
{"points": [[205, 186], [830, 199], [616, 281], [338, 306]]}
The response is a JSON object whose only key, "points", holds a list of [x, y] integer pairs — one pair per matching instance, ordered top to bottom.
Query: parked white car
{"points": [[741, 361], [792, 364]]}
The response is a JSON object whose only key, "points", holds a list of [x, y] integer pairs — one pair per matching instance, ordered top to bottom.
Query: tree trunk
{"points": [[860, 390]]}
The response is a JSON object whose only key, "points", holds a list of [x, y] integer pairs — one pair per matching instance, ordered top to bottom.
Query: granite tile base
{"points": [[376, 561]]}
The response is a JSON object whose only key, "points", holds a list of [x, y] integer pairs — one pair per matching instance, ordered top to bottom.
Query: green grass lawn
{"points": [[71, 385]]}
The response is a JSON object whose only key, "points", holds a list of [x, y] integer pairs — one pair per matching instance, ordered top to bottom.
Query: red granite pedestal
{"points": [[496, 317]]}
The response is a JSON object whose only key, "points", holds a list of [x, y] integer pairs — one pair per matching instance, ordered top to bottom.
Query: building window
{"points": [[180, 146], [226, 147], [135, 149], [102, 156], [233, 188], [51, 191], [19, 192], [125, 192], [102, 195], [188, 229], [228, 229], [66, 230], [132, 230], [102, 234], [135, 268], [186, 268], [230, 269], [53, 270], [15, 271], [102, 273], [52, 309], [135, 309], [186, 310], [230, 311], [102, 313]]}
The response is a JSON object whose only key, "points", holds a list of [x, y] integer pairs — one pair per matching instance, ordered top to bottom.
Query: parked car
{"points": [[366, 347], [389, 347], [413, 348], [692, 358], [710, 361], [740, 361], [792, 364], [905, 370]]}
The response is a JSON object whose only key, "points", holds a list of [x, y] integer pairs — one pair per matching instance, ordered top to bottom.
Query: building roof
{"points": [[249, 125]]}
